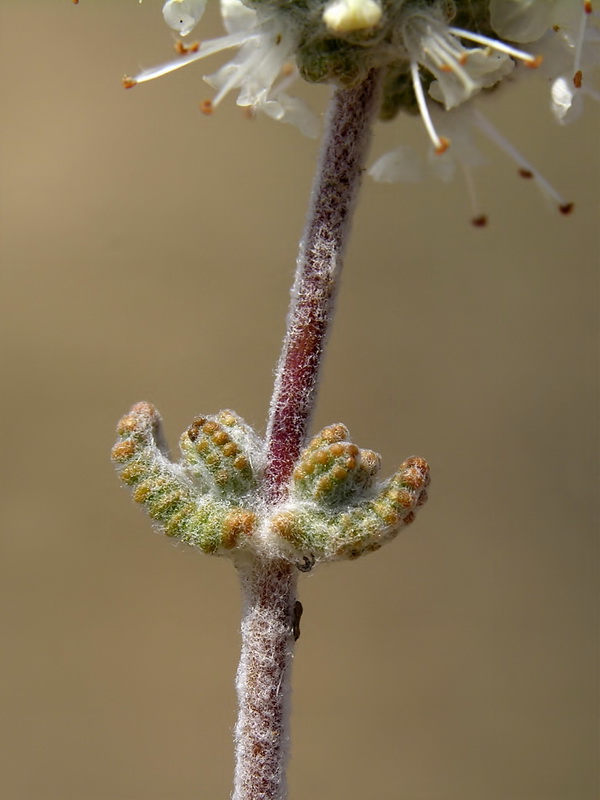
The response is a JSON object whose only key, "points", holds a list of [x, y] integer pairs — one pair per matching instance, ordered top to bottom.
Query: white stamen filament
{"points": [[587, 9], [495, 44], [205, 49], [450, 52], [444, 57], [455, 66], [236, 75], [286, 81], [498, 139], [439, 142], [479, 219]]}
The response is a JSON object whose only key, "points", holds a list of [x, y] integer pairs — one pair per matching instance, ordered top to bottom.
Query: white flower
{"points": [[183, 15], [343, 16], [528, 20], [566, 35], [339, 41], [580, 41], [567, 46], [265, 50], [438, 57], [460, 72], [459, 126], [401, 165]]}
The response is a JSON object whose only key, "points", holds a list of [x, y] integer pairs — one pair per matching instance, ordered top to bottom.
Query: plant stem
{"points": [[318, 269], [269, 586], [263, 680]]}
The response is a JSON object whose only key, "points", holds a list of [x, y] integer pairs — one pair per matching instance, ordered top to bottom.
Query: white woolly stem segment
{"points": [[318, 267], [269, 627], [263, 680]]}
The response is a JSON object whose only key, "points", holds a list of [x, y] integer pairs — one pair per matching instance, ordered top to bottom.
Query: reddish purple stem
{"points": [[318, 268], [269, 586]]}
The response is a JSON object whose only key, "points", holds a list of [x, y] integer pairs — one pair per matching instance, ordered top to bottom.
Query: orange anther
{"points": [[587, 6], [184, 49], [535, 62], [578, 79], [128, 82], [206, 107], [443, 145], [526, 173], [566, 208], [480, 222]]}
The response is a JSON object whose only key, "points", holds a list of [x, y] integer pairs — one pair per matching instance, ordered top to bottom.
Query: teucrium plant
{"points": [[280, 505]]}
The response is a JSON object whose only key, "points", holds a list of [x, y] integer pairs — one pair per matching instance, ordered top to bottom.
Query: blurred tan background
{"points": [[147, 253]]}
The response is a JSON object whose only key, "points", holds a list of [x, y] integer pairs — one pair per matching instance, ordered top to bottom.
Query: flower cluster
{"points": [[566, 39], [437, 56], [212, 499]]}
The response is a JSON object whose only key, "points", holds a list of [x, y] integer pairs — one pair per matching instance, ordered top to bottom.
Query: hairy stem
{"points": [[318, 269], [269, 587], [263, 680]]}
